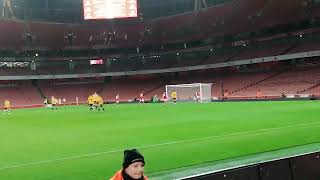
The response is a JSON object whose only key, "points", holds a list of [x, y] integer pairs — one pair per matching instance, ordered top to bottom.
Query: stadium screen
{"points": [[109, 9], [96, 61]]}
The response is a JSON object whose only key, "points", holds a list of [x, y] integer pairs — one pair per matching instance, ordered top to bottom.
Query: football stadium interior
{"points": [[204, 89]]}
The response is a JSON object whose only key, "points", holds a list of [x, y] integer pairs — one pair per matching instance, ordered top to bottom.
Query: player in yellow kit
{"points": [[174, 96], [95, 98], [90, 102], [95, 102], [54, 103], [99, 103], [7, 106]]}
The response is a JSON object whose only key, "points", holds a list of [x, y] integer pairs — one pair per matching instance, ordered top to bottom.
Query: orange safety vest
{"points": [[118, 176]]}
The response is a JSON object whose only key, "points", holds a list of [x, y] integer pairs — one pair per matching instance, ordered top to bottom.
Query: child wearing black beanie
{"points": [[132, 167]]}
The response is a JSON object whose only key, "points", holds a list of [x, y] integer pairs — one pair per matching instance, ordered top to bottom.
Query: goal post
{"points": [[186, 92]]}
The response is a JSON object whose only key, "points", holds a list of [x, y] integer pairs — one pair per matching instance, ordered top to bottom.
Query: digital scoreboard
{"points": [[109, 9]]}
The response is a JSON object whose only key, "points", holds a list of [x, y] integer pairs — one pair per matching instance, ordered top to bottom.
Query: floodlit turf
{"points": [[75, 144]]}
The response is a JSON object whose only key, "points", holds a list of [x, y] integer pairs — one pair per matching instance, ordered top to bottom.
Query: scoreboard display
{"points": [[109, 9], [96, 61]]}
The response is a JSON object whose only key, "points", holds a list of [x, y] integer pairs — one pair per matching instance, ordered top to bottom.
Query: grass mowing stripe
{"points": [[157, 145]]}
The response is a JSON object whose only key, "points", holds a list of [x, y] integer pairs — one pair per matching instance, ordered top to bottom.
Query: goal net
{"points": [[187, 92]]}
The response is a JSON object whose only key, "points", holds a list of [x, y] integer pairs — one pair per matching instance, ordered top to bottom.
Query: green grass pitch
{"points": [[75, 144]]}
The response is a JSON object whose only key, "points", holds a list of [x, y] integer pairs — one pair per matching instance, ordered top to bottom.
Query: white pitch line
{"points": [[154, 145]]}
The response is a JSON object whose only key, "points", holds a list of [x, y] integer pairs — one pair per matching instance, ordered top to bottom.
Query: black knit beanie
{"points": [[131, 156]]}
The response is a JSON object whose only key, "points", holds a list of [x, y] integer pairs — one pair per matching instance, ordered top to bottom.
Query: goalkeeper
{"points": [[174, 96]]}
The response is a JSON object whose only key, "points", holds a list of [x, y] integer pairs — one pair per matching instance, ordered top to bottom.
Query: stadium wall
{"points": [[168, 70], [304, 167]]}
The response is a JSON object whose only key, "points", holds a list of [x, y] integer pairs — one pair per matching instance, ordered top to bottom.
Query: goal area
{"points": [[187, 92]]}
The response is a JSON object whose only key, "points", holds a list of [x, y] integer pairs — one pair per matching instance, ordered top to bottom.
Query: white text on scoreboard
{"points": [[109, 9]]}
